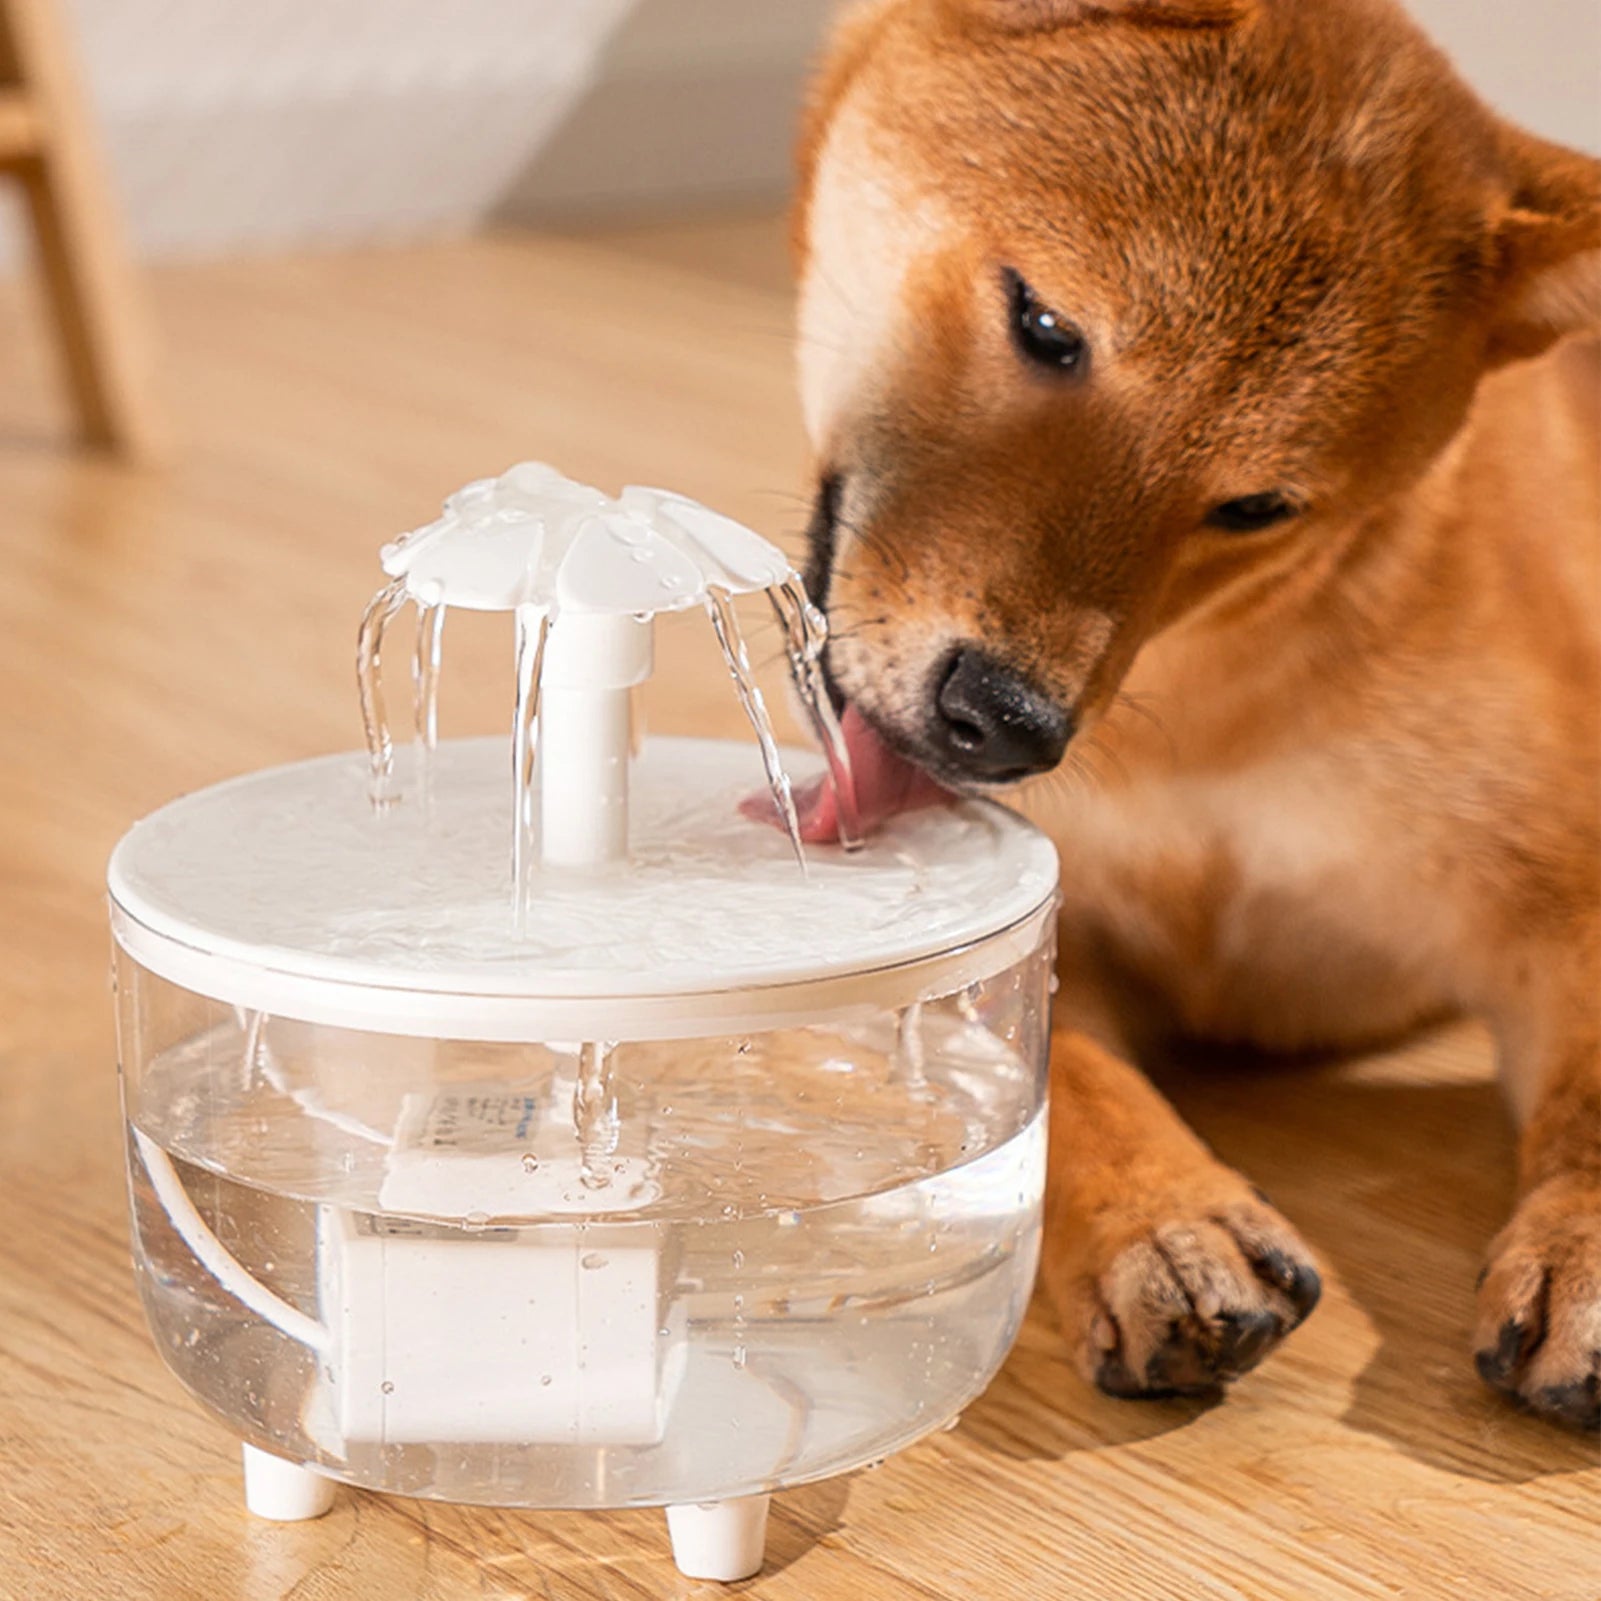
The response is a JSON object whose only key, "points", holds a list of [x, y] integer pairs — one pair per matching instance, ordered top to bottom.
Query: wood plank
{"points": [[19, 127], [160, 630]]}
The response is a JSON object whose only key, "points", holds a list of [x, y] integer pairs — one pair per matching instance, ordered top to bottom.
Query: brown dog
{"points": [[1185, 376]]}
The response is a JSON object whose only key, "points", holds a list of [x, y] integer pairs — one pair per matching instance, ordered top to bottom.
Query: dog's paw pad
{"points": [[1185, 1307], [1539, 1329]]}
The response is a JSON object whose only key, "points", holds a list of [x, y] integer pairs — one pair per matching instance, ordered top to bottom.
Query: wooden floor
{"points": [[164, 628]]}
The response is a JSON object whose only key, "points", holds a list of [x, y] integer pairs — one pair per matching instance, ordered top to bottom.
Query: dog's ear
{"points": [[1033, 16], [1547, 248]]}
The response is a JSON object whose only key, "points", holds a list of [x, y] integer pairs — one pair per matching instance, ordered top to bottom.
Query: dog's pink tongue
{"points": [[885, 785]]}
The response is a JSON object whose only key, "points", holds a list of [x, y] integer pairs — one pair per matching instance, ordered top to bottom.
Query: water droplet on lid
{"points": [[530, 1162], [476, 1220], [592, 1260], [544, 1378], [387, 1387]]}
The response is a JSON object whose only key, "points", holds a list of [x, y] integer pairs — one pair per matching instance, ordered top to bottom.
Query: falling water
{"points": [[720, 608], [375, 620], [533, 630], [805, 634], [425, 693], [255, 1026], [910, 1055], [595, 1114]]}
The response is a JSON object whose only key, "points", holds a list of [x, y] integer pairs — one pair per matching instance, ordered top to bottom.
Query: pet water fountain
{"points": [[561, 1137]]}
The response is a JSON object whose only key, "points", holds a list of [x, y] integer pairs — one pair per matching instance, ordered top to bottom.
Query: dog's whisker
{"points": [[1096, 746]]}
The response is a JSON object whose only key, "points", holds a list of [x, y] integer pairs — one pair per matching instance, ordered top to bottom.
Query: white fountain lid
{"points": [[283, 892]]}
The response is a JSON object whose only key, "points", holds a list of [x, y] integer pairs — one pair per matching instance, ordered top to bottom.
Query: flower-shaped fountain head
{"points": [[533, 537], [584, 574]]}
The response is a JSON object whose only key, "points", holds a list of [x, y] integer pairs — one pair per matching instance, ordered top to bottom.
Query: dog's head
{"points": [[1108, 310]]}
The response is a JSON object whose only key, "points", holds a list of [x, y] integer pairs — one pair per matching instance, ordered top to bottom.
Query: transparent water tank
{"points": [[713, 1177]]}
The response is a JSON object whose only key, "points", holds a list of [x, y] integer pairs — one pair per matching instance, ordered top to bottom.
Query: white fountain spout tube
{"points": [[592, 663]]}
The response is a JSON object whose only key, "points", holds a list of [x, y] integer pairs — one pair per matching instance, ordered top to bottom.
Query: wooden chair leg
{"points": [[90, 285]]}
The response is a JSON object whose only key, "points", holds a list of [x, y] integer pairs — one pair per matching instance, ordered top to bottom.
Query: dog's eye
{"points": [[1043, 336], [1250, 513]]}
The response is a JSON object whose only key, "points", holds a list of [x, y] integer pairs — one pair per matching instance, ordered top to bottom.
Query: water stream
{"points": [[720, 608], [375, 621], [533, 631], [805, 635], [425, 693], [911, 1056], [595, 1117]]}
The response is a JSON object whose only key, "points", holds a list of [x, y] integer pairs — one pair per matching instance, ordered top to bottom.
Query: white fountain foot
{"points": [[284, 1491], [722, 1540]]}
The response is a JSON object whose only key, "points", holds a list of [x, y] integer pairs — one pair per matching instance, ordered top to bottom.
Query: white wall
{"points": [[1539, 61], [696, 101], [695, 105], [265, 124]]}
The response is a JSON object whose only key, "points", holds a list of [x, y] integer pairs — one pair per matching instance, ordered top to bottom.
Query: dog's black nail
{"points": [[1299, 1281], [1244, 1340], [1497, 1365], [1181, 1366], [1114, 1378], [1578, 1405]]}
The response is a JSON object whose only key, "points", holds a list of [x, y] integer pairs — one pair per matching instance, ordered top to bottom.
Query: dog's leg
{"points": [[1169, 1273], [1539, 1324]]}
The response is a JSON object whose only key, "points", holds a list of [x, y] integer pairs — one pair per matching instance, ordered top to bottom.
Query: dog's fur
{"points": [[1348, 767]]}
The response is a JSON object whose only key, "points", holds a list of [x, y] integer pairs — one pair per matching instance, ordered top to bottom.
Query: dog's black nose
{"points": [[994, 724]]}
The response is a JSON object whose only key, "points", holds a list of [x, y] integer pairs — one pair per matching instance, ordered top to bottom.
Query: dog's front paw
{"points": [[1183, 1298], [1539, 1332]]}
